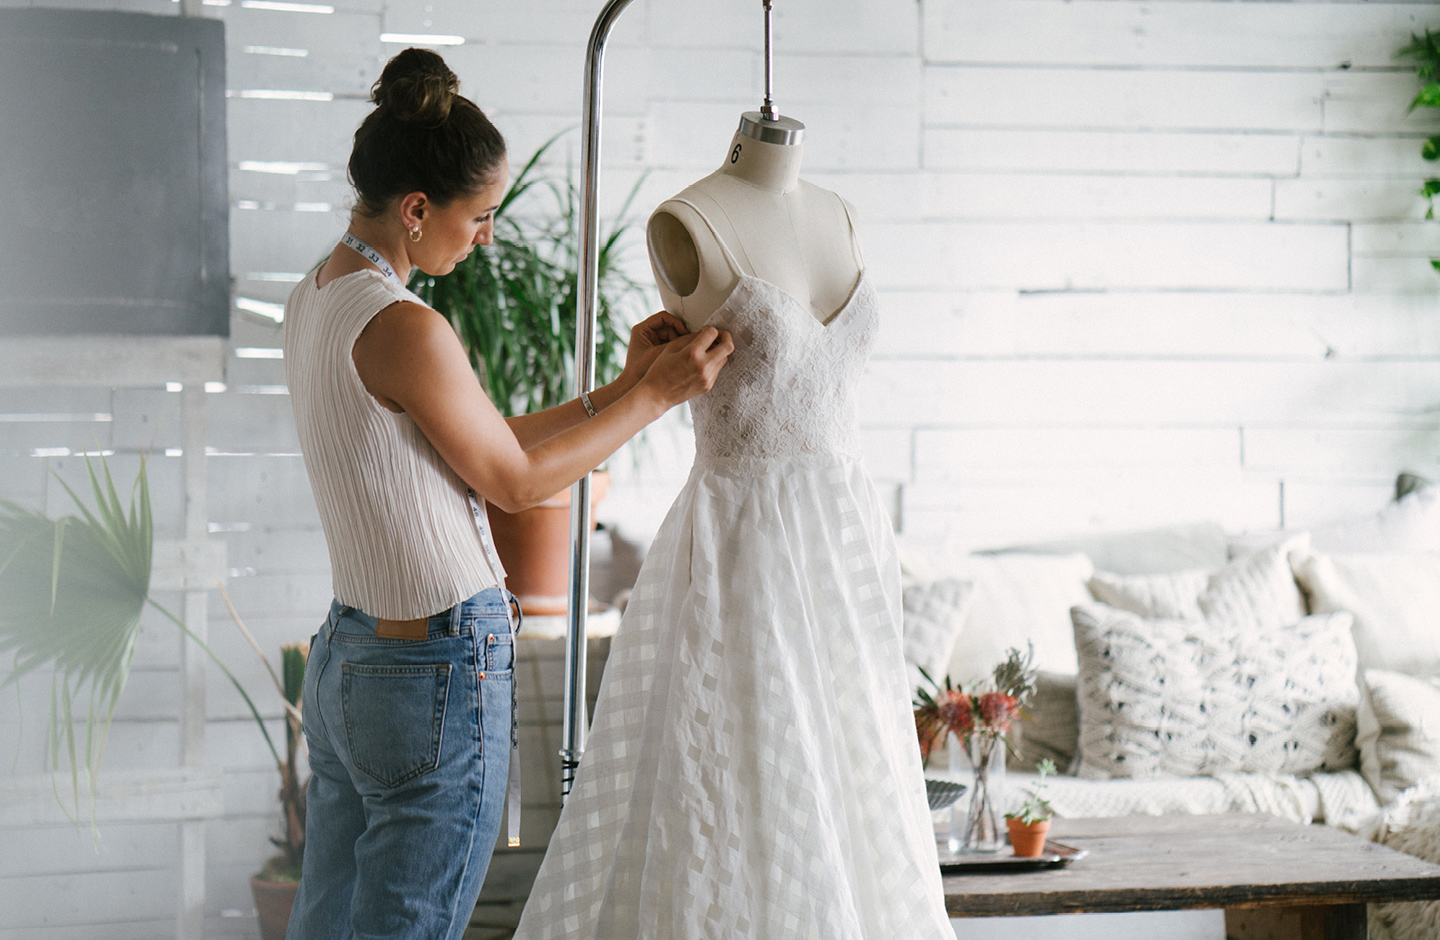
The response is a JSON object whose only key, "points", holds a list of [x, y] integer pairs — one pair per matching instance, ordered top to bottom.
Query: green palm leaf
{"points": [[71, 594]]}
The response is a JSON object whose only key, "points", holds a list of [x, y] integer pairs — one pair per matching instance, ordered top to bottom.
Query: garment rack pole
{"points": [[576, 721]]}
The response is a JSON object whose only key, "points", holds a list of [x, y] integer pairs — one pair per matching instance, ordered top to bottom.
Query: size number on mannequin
{"points": [[735, 155]]}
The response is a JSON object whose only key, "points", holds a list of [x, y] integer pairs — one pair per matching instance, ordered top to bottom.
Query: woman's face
{"points": [[450, 233]]}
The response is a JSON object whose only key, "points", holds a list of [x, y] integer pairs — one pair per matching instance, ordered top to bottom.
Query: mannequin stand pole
{"points": [[576, 721]]}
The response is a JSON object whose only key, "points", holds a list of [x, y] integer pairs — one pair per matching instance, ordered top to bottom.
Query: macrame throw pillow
{"points": [[1163, 698]]}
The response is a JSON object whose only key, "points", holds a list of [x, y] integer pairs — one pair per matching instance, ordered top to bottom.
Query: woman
{"points": [[408, 684]]}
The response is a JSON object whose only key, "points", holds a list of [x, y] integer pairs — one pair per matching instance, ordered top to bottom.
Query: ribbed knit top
{"points": [[403, 540]]}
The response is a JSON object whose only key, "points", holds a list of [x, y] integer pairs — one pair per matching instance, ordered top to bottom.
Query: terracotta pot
{"points": [[534, 547], [1028, 839], [273, 900]]}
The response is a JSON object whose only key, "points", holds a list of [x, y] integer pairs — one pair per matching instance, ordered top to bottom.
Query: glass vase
{"points": [[955, 747], [983, 832]]}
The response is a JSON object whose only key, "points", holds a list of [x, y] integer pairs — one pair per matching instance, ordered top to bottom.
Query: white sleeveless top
{"points": [[405, 539]]}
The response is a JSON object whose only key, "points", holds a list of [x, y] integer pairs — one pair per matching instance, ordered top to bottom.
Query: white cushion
{"points": [[1256, 593], [1172, 596], [1019, 599], [1395, 599], [934, 613], [1178, 697], [1398, 732]]}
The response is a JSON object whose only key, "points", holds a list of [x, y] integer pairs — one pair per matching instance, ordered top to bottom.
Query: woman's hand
{"points": [[647, 340], [687, 366]]}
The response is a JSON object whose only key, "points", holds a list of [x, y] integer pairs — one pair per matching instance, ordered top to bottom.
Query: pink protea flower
{"points": [[997, 710], [956, 712]]}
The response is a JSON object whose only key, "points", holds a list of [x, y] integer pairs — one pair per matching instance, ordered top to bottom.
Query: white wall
{"points": [[1142, 262]]}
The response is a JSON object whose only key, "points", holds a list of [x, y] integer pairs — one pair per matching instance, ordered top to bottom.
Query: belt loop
{"points": [[513, 612], [455, 618]]}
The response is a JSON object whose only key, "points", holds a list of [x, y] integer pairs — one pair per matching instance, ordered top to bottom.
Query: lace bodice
{"points": [[788, 389]]}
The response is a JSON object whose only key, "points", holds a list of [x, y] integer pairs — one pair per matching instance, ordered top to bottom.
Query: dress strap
{"points": [[854, 239], [730, 258]]}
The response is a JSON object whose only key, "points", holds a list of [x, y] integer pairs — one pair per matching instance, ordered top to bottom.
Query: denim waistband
{"points": [[488, 604]]}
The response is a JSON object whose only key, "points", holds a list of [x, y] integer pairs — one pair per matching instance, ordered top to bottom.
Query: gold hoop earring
{"points": [[415, 234]]}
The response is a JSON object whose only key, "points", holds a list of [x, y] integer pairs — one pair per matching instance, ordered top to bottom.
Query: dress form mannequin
{"points": [[780, 229]]}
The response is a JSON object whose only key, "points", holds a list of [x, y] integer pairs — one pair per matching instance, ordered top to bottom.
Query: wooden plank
{"points": [[565, 22], [845, 26], [1057, 32], [544, 78], [1145, 99], [1375, 103], [293, 131], [1262, 154], [1368, 157], [932, 196], [1348, 200], [1397, 239], [1101, 255], [1389, 275], [1144, 324], [110, 360], [1127, 392], [1378, 451], [888, 453], [942, 455], [262, 490], [1313, 499], [984, 512], [122, 796], [61, 850], [1209, 864], [86, 901]]}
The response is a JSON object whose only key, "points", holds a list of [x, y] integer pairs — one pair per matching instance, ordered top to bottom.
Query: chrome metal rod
{"points": [[768, 109], [576, 721]]}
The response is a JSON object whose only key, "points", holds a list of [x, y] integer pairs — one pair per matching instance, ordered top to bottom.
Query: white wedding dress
{"points": [[752, 770]]}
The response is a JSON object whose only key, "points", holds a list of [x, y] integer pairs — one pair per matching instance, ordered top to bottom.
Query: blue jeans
{"points": [[409, 751]]}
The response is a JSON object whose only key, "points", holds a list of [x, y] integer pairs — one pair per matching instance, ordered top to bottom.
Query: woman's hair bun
{"points": [[416, 87]]}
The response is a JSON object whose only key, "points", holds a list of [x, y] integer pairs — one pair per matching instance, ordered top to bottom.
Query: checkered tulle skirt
{"points": [[752, 770]]}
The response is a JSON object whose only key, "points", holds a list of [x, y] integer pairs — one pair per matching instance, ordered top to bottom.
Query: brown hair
{"points": [[423, 136]]}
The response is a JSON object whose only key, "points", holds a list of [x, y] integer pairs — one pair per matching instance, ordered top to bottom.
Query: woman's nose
{"points": [[485, 234]]}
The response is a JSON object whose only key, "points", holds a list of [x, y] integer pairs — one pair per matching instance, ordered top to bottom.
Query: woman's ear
{"points": [[413, 207]]}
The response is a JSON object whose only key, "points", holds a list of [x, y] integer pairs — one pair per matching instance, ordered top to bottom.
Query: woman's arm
{"points": [[647, 339], [410, 359]]}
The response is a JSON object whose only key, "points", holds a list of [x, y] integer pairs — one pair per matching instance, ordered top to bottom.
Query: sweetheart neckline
{"points": [[823, 325]]}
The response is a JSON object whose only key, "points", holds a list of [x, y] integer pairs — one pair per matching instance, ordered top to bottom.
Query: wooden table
{"points": [[1276, 880]]}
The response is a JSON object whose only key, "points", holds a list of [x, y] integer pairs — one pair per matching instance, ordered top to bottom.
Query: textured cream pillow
{"points": [[1258, 592], [1254, 593], [1173, 596], [1018, 599], [1395, 599], [934, 613], [1180, 698], [1398, 731]]}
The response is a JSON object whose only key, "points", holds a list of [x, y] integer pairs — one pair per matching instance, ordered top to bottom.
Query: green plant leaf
{"points": [[1429, 97], [1430, 150], [1431, 188], [1435, 263], [75, 611]]}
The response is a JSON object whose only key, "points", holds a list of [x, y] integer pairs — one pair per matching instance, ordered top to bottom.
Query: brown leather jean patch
{"points": [[402, 629]]}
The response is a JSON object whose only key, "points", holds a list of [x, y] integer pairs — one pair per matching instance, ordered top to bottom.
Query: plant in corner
{"points": [[1425, 52], [514, 306], [71, 594], [1030, 823]]}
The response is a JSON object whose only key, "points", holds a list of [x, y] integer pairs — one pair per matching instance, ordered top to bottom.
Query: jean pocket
{"points": [[499, 654], [394, 716]]}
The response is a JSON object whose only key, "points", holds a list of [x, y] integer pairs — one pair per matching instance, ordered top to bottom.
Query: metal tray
{"points": [[1056, 855]]}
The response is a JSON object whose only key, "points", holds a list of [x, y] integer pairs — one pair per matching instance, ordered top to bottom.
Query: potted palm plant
{"points": [[514, 307], [71, 594]]}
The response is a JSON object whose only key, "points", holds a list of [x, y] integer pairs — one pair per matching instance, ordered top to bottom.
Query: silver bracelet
{"points": [[589, 408]]}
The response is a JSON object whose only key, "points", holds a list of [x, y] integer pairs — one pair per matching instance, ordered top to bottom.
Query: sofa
{"points": [[1190, 670]]}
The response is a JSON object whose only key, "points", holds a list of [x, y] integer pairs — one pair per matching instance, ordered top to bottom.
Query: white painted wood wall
{"points": [[1142, 262]]}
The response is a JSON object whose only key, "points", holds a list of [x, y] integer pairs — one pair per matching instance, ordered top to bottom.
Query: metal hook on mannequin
{"points": [[768, 109]]}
